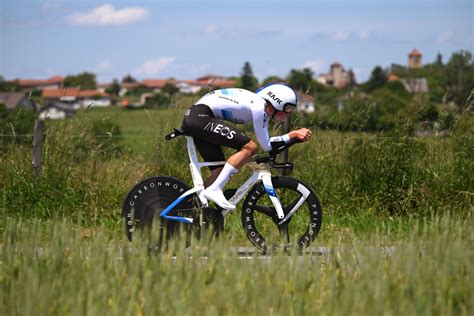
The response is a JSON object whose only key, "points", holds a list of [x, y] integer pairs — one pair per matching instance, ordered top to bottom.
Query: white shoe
{"points": [[217, 196]]}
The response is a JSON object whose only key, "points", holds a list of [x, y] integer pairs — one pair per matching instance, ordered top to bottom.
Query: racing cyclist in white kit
{"points": [[206, 121]]}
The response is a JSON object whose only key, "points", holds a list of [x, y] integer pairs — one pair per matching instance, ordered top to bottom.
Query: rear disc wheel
{"points": [[144, 203]]}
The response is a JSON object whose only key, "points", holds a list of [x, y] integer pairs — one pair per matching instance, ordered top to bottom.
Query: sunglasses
{"points": [[289, 108]]}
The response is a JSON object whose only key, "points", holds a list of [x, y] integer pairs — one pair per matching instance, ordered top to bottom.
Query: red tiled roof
{"points": [[414, 53], [210, 77], [393, 77], [40, 82], [191, 82], [216, 82], [155, 83], [223, 83], [104, 85], [130, 85], [71, 92], [58, 93], [92, 93]]}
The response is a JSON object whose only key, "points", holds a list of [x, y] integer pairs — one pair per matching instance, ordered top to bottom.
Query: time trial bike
{"points": [[277, 212]]}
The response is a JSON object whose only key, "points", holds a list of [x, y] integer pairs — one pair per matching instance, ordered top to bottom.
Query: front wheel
{"points": [[261, 224]]}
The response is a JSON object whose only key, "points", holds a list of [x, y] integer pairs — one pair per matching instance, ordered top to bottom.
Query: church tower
{"points": [[414, 59]]}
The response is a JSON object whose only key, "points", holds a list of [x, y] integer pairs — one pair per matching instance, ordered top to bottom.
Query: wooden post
{"points": [[37, 142]]}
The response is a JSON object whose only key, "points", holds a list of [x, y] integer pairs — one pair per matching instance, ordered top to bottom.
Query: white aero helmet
{"points": [[282, 97]]}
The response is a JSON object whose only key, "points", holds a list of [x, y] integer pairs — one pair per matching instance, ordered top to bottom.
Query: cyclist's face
{"points": [[281, 116]]}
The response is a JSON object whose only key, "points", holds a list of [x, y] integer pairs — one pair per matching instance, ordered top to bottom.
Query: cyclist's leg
{"points": [[209, 132], [210, 152]]}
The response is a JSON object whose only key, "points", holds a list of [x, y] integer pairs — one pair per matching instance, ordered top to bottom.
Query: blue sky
{"points": [[187, 39]]}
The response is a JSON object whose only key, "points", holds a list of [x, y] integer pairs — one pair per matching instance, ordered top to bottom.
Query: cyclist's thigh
{"points": [[201, 124], [208, 151]]}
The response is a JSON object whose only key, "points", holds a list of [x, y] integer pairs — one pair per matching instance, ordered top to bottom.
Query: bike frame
{"points": [[261, 172]]}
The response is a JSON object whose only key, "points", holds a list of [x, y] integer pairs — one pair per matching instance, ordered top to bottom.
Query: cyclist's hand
{"points": [[302, 134]]}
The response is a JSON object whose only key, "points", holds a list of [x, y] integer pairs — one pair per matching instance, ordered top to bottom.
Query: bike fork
{"points": [[268, 185]]}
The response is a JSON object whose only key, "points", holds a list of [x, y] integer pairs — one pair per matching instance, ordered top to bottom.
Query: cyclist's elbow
{"points": [[266, 147]]}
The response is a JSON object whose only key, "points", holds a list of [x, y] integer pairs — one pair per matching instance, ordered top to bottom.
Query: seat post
{"points": [[193, 163]]}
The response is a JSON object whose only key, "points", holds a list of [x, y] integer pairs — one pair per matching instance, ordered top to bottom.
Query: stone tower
{"points": [[414, 59]]}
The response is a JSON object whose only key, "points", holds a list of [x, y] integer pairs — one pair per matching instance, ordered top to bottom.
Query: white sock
{"points": [[223, 177]]}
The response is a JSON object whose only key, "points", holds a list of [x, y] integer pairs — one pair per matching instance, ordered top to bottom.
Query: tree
{"points": [[439, 60], [459, 77], [128, 79], [247, 79], [271, 79], [301, 79], [352, 79], [378, 79], [85, 81], [8, 86], [397, 87], [114, 88], [170, 88], [139, 90], [158, 100]]}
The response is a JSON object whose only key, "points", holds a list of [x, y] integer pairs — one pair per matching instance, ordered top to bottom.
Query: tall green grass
{"points": [[361, 179], [56, 268]]}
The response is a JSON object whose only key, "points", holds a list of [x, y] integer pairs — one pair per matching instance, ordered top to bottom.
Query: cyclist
{"points": [[207, 122]]}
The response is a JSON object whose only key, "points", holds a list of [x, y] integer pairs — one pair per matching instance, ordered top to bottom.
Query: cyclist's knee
{"points": [[250, 148]]}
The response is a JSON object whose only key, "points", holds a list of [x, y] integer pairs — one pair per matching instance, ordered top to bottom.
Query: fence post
{"points": [[38, 137]]}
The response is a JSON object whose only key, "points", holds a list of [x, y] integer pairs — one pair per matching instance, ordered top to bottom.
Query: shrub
{"points": [[398, 88], [158, 100], [18, 123], [107, 136], [463, 151], [385, 171], [80, 179]]}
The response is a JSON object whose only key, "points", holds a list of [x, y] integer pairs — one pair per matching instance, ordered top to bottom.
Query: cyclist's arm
{"points": [[260, 126]]}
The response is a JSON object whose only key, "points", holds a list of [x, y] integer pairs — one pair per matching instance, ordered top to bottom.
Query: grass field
{"points": [[64, 252], [56, 268]]}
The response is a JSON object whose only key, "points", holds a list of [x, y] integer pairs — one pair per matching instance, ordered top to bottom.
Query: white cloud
{"points": [[52, 6], [108, 15], [210, 29], [362, 34], [341, 36], [444, 37], [314, 65], [104, 66], [154, 66], [50, 71]]}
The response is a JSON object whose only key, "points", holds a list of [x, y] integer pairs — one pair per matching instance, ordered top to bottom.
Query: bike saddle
{"points": [[175, 133]]}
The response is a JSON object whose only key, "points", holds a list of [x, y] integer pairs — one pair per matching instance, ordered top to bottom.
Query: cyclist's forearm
{"points": [[302, 134], [278, 141]]}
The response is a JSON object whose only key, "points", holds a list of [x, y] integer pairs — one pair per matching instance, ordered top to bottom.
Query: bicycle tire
{"points": [[147, 199], [259, 218]]}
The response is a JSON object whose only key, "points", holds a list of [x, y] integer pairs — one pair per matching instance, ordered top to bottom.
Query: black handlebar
{"points": [[278, 150], [270, 159]]}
